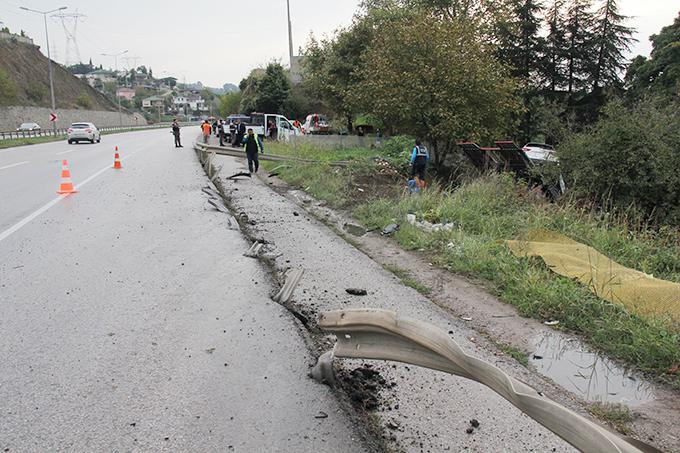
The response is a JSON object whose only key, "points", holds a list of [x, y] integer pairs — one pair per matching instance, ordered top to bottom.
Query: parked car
{"points": [[316, 124], [28, 127], [79, 132], [540, 152]]}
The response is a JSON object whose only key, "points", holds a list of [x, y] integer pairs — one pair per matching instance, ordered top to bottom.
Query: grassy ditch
{"points": [[487, 211]]}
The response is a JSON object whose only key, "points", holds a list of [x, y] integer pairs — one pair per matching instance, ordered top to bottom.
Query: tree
{"points": [[611, 39], [520, 44], [579, 53], [330, 66], [554, 70], [661, 72], [436, 79], [9, 89], [273, 90], [230, 103]]}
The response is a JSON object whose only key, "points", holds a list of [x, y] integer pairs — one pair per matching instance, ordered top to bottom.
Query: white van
{"points": [[285, 129]]}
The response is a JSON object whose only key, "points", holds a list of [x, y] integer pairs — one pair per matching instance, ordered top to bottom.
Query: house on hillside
{"points": [[99, 77], [125, 93], [153, 102], [192, 102]]}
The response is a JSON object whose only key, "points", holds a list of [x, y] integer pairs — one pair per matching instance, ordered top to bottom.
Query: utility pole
{"points": [[290, 35], [49, 57], [115, 58]]}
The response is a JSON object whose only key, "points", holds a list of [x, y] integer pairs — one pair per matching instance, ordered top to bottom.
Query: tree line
{"points": [[556, 71]]}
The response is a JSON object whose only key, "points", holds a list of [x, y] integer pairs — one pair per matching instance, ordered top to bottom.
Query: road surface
{"points": [[131, 321]]}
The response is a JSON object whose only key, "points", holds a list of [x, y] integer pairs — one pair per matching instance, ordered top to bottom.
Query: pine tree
{"points": [[611, 38], [520, 43], [555, 46], [579, 56]]}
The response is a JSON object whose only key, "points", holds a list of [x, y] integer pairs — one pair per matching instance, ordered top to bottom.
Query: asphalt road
{"points": [[131, 321]]}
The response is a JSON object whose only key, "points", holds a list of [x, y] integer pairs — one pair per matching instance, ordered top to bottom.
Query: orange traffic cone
{"points": [[116, 161], [66, 186]]}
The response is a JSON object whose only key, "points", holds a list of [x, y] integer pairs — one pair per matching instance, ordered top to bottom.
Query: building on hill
{"points": [[6, 36], [99, 77], [125, 93], [153, 102], [192, 102]]}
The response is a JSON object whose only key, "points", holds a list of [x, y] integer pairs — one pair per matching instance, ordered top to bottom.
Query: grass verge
{"points": [[491, 209], [616, 415]]}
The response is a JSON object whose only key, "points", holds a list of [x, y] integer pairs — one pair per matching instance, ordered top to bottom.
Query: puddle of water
{"points": [[589, 375]]}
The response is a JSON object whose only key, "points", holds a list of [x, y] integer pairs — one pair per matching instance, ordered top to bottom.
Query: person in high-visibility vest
{"points": [[254, 146], [419, 159]]}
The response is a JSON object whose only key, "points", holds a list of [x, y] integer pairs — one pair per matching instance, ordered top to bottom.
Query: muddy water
{"points": [[587, 374]]}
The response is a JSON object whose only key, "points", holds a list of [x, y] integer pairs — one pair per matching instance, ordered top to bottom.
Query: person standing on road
{"points": [[206, 128], [175, 132], [220, 132], [240, 133], [254, 146], [419, 159]]}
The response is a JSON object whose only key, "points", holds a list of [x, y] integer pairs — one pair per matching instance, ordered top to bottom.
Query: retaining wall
{"points": [[12, 117]]}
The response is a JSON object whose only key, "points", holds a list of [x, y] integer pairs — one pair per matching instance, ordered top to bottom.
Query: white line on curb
{"points": [[14, 165]]}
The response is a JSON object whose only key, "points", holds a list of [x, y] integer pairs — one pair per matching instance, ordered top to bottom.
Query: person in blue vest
{"points": [[253, 146], [419, 159]]}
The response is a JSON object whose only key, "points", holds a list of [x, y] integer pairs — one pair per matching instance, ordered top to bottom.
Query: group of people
{"points": [[253, 144]]}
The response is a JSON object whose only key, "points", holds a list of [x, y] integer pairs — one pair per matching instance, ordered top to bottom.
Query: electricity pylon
{"points": [[69, 22]]}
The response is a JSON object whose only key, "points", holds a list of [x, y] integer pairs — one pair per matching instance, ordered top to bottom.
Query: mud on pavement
{"points": [[407, 408]]}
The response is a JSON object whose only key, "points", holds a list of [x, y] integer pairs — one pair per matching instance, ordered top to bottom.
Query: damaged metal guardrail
{"points": [[239, 152], [384, 335]]}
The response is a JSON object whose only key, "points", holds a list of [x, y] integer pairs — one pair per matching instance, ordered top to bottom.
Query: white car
{"points": [[28, 127], [87, 132], [540, 152]]}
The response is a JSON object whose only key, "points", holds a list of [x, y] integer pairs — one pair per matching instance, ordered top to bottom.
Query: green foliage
{"points": [[611, 40], [660, 74], [436, 80], [8, 89], [273, 90], [36, 92], [84, 101], [230, 103], [630, 157], [617, 415]]}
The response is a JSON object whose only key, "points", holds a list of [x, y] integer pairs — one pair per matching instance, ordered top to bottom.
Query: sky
{"points": [[220, 42]]}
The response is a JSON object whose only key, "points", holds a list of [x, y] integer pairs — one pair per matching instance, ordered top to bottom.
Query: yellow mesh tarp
{"points": [[639, 292]]}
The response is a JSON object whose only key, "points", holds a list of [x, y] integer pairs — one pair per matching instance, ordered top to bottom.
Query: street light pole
{"points": [[49, 57], [115, 59]]}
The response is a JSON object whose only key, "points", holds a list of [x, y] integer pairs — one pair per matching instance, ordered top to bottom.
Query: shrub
{"points": [[8, 89], [36, 92], [83, 100], [630, 157]]}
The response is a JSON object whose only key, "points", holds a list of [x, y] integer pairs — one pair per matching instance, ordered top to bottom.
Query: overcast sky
{"points": [[220, 41]]}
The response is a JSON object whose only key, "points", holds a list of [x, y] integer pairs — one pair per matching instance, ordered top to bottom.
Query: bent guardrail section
{"points": [[384, 335]]}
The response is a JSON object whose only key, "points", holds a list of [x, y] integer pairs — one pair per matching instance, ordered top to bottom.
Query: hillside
{"points": [[26, 67]]}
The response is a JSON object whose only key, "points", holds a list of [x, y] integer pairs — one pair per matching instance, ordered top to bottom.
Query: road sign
{"points": [[53, 117]]}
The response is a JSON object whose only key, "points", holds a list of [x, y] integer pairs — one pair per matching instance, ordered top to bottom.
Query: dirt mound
{"points": [[27, 67]]}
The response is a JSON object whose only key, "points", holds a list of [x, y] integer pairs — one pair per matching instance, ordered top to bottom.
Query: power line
{"points": [[69, 22]]}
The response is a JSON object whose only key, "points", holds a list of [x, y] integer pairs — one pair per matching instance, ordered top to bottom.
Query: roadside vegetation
{"points": [[488, 210]]}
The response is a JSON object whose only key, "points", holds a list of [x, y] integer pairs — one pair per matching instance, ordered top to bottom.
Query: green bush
{"points": [[8, 89], [36, 92], [84, 101], [630, 157]]}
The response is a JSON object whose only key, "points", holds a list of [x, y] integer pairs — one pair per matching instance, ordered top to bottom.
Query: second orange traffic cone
{"points": [[116, 161], [66, 186]]}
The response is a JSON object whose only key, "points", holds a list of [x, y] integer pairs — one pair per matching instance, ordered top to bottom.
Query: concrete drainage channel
{"points": [[317, 342], [363, 384]]}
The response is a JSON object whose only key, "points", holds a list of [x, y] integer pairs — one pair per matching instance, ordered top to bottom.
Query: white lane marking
{"points": [[66, 152], [14, 165], [23, 222]]}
